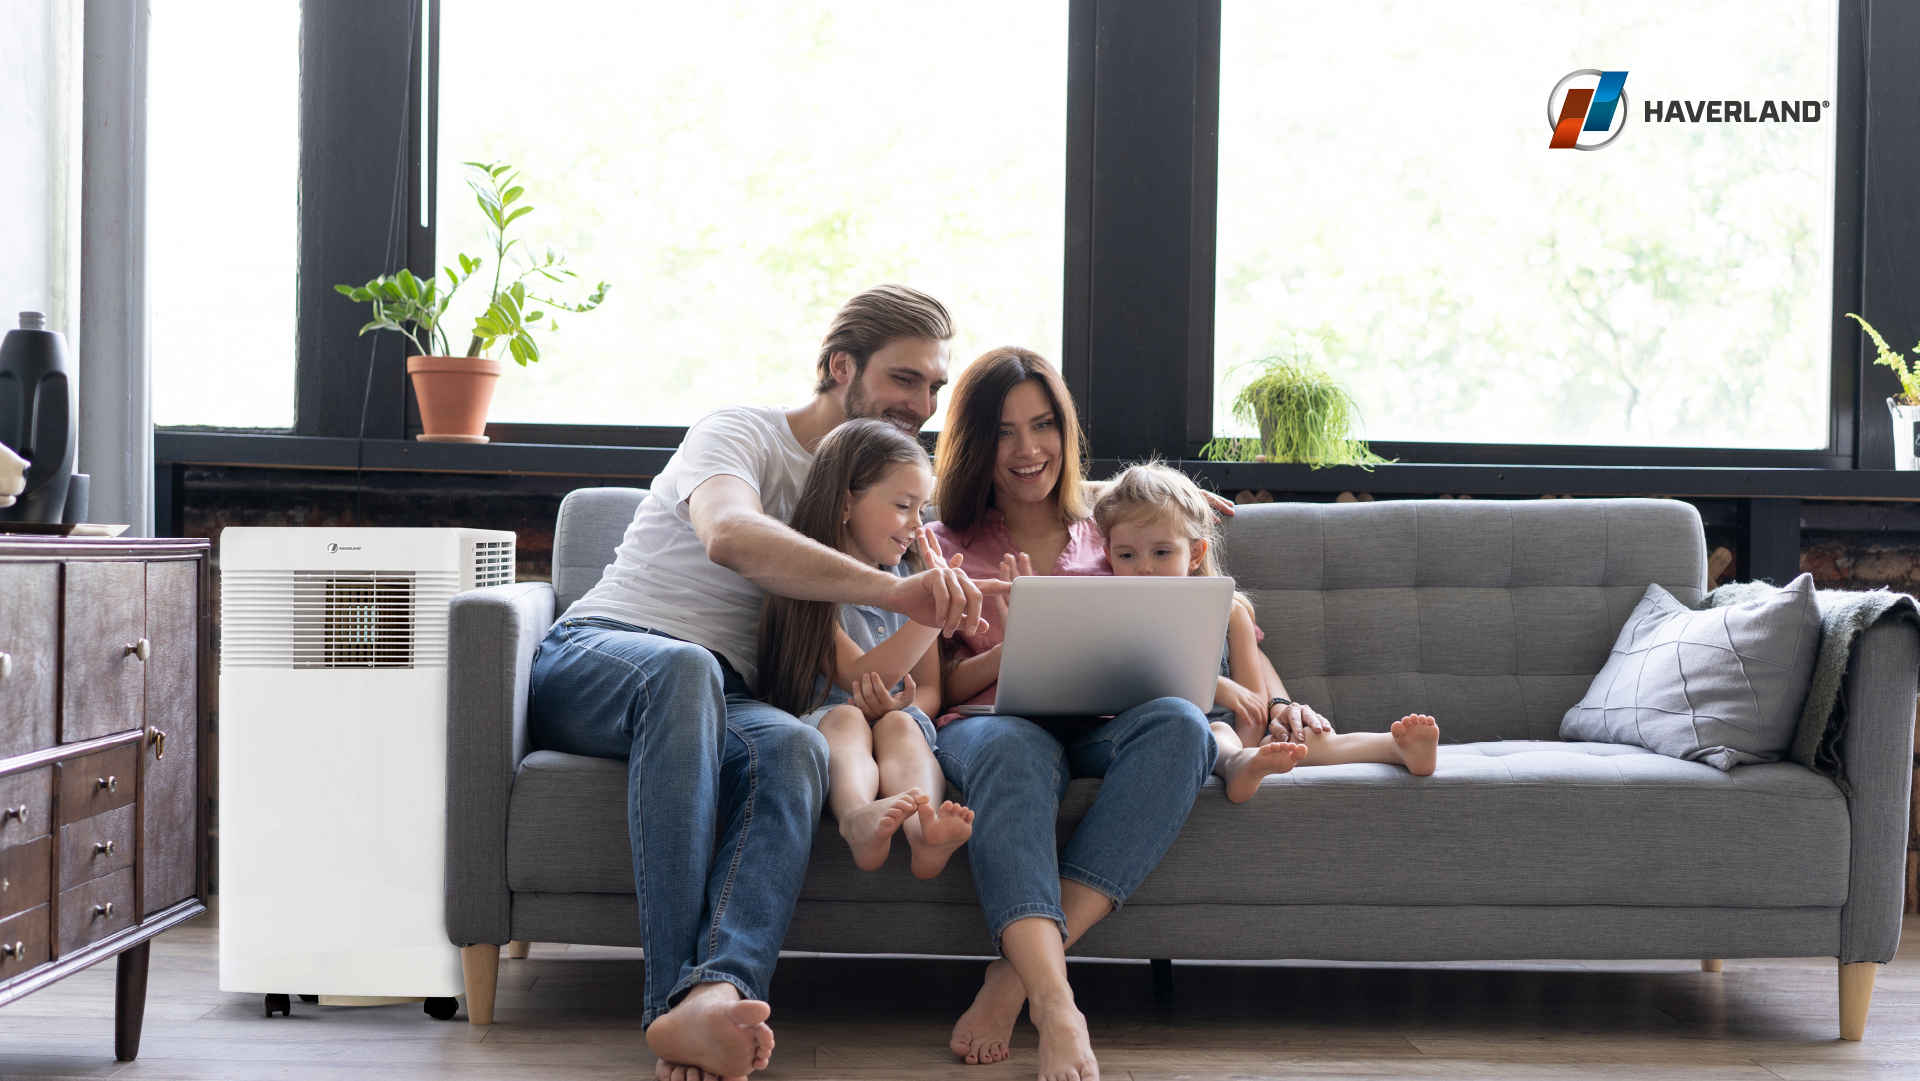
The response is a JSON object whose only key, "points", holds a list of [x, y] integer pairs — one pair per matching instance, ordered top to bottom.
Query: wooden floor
{"points": [[573, 1013]]}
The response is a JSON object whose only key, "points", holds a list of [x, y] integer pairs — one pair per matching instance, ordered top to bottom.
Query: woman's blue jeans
{"points": [[1013, 774], [723, 796]]}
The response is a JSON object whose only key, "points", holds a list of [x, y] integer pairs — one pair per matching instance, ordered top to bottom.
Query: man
{"points": [[655, 665]]}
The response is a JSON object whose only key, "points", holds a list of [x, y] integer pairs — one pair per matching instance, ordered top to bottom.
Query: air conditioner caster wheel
{"points": [[309, 998], [280, 1003], [442, 1009]]}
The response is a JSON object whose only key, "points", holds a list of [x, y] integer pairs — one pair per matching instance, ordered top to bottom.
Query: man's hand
{"points": [[13, 475], [1221, 504], [942, 596], [871, 697], [1292, 723]]}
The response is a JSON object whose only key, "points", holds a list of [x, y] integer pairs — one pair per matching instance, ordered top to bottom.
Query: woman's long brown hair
{"points": [[970, 442], [796, 637]]}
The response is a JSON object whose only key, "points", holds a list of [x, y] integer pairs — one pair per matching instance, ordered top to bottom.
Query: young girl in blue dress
{"points": [[867, 678]]}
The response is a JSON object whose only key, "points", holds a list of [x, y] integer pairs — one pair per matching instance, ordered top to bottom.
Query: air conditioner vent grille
{"points": [[492, 563], [334, 619]]}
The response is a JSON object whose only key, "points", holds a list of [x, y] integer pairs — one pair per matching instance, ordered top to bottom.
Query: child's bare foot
{"points": [[1418, 738], [1244, 768], [869, 831], [935, 834], [715, 1030], [982, 1033], [1065, 1052]]}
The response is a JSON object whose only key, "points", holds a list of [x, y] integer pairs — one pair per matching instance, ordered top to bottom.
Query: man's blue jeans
{"points": [[1153, 759], [723, 796]]}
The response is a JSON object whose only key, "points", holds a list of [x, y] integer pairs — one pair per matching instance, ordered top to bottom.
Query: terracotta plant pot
{"points": [[454, 394]]}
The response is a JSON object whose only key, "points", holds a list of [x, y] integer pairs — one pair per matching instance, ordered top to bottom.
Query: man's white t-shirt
{"points": [[661, 578]]}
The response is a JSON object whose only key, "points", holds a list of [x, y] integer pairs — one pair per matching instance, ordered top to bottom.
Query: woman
{"points": [[1012, 500]]}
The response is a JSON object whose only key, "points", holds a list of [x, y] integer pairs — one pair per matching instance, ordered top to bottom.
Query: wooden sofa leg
{"points": [[518, 950], [481, 964], [1710, 964], [1856, 994]]}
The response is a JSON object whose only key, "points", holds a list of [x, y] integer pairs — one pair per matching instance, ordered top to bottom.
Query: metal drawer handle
{"points": [[141, 649], [6, 665], [158, 741], [111, 784], [19, 812], [103, 848], [103, 910], [17, 951]]}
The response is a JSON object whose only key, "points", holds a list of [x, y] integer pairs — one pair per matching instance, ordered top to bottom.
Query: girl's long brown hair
{"points": [[970, 441], [796, 637]]}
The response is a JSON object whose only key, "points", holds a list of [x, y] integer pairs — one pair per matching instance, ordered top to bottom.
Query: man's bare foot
{"points": [[1418, 738], [1244, 768], [869, 831], [935, 834], [712, 1031], [981, 1034], [1065, 1052]]}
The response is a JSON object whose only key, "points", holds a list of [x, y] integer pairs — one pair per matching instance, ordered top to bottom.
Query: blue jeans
{"points": [[1153, 759], [723, 796]]}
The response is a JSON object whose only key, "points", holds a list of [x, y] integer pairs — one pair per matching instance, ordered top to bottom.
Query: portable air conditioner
{"points": [[333, 758]]}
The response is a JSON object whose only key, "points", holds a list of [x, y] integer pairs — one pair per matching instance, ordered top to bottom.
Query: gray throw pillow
{"points": [[1722, 686]]}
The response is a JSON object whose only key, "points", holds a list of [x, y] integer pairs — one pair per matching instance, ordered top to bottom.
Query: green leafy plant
{"points": [[417, 307], [1907, 370], [1303, 415]]}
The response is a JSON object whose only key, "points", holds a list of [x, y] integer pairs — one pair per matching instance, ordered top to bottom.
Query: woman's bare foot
{"points": [[1418, 738], [1244, 768], [869, 831], [934, 835], [712, 1030], [982, 1033], [1065, 1052]]}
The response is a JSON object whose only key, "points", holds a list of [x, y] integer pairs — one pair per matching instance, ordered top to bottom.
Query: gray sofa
{"points": [[1491, 615]]}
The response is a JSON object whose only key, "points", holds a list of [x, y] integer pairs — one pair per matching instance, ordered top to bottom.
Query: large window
{"points": [[223, 162], [738, 170], [1387, 191]]}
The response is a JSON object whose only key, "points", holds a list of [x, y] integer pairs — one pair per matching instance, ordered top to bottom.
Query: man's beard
{"points": [[859, 406]]}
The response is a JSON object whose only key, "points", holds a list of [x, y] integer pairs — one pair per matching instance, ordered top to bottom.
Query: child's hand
{"points": [[871, 698], [1249, 709]]}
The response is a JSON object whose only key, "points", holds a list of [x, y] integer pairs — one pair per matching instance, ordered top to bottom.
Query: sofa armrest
{"points": [[491, 638], [1878, 752]]}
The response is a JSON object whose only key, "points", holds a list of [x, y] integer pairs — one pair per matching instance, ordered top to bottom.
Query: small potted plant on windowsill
{"points": [[456, 391], [1905, 406], [1303, 414]]}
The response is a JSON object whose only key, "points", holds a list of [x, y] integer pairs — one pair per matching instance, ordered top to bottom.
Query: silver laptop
{"points": [[1099, 646]]}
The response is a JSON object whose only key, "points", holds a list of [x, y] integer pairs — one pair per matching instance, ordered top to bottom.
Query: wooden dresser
{"points": [[104, 694]]}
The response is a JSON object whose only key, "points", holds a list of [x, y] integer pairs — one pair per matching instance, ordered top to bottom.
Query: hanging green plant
{"points": [[1303, 415]]}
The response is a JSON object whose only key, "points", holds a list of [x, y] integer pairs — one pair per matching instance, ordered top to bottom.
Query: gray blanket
{"points": [[1843, 615]]}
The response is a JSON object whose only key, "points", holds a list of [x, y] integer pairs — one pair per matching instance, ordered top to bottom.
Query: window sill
{"points": [[319, 452]]}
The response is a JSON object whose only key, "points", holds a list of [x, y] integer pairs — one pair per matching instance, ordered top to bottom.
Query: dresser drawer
{"points": [[105, 650], [29, 653], [97, 783], [26, 806], [97, 846], [23, 876], [94, 910], [25, 939]]}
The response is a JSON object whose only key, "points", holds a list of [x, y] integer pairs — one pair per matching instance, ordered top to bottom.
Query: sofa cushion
{"points": [[1722, 686], [1499, 823]]}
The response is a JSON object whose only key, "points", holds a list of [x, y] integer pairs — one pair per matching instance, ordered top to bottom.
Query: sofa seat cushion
{"points": [[1514, 822]]}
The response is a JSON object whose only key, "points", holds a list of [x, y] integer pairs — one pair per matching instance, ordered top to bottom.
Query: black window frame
{"points": [[1142, 149]]}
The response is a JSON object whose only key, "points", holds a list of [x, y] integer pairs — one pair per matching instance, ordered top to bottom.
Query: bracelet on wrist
{"points": [[1271, 702]]}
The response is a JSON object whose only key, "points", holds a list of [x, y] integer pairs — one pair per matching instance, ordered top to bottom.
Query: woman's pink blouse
{"points": [[984, 545]]}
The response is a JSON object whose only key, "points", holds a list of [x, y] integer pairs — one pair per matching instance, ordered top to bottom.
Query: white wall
{"points": [[40, 144]]}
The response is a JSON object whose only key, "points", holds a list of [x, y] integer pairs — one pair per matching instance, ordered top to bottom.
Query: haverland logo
{"points": [[1588, 109], [333, 548]]}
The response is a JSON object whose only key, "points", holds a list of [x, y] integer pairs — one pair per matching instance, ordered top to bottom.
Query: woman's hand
{"points": [[1012, 565], [942, 596], [871, 697], [1249, 709], [1291, 723]]}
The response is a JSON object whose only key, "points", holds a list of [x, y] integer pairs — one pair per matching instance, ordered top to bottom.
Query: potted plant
{"points": [[455, 391], [1905, 406], [1303, 414]]}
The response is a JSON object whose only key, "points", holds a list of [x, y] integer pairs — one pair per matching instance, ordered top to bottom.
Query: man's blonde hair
{"points": [[872, 318]]}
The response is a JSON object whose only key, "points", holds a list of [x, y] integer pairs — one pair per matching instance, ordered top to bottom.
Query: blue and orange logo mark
{"points": [[1587, 117]]}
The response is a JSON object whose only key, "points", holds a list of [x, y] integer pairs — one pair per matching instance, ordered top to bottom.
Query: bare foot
{"points": [[1418, 738], [1244, 768], [869, 831], [935, 834], [713, 1030], [981, 1034], [1065, 1052]]}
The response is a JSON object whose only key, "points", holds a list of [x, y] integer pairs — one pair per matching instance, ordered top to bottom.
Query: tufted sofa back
{"points": [[1491, 615]]}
